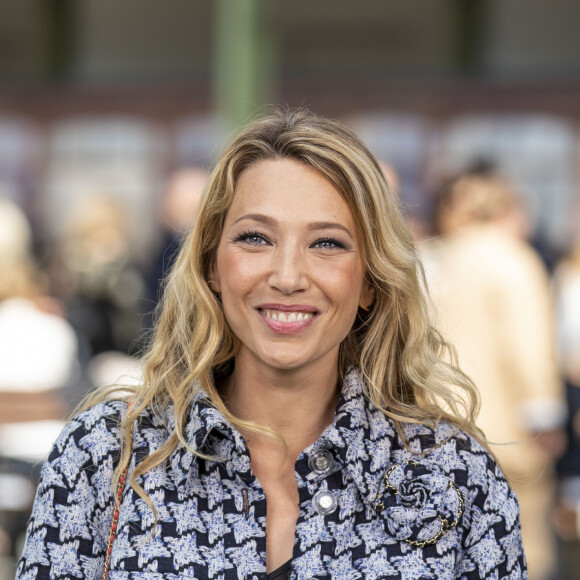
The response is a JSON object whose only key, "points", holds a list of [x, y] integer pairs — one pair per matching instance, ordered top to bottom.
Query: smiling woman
{"points": [[290, 281], [299, 417]]}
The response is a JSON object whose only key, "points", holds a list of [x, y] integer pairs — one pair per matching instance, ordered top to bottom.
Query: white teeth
{"points": [[288, 317]]}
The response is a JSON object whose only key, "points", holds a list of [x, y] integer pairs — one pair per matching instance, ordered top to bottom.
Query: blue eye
{"points": [[252, 238], [328, 244]]}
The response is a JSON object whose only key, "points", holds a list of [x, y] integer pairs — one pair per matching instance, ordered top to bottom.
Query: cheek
{"points": [[236, 272], [346, 280], [344, 286]]}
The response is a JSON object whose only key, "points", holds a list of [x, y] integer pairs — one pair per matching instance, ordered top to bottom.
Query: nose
{"points": [[288, 274]]}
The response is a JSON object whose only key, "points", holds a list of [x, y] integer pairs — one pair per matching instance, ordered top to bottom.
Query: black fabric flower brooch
{"points": [[419, 503]]}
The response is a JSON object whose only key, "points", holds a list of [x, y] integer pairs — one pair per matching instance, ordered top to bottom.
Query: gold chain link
{"points": [[444, 522]]}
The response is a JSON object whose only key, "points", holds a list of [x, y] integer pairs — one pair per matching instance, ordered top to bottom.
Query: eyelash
{"points": [[246, 237], [336, 243]]}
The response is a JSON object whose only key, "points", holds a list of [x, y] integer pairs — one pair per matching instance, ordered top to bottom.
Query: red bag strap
{"points": [[113, 532]]}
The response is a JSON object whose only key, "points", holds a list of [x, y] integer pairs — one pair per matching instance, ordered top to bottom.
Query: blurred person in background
{"points": [[178, 210], [177, 213], [417, 227], [15, 233], [96, 275], [567, 288], [493, 301], [38, 360]]}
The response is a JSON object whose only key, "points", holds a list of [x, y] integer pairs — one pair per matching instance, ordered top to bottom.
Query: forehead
{"points": [[284, 187]]}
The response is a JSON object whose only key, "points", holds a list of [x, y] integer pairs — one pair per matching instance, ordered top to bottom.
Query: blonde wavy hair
{"points": [[408, 369]]}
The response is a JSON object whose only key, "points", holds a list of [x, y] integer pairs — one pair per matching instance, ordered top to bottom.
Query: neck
{"points": [[296, 404]]}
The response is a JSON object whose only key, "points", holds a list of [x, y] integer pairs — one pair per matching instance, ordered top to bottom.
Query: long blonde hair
{"points": [[405, 363]]}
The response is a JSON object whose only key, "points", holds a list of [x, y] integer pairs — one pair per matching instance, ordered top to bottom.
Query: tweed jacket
{"points": [[370, 507]]}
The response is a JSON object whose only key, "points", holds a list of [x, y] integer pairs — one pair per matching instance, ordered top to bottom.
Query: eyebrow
{"points": [[257, 217], [313, 226], [329, 226]]}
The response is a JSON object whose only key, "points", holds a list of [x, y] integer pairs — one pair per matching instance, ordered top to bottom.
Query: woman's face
{"points": [[289, 267]]}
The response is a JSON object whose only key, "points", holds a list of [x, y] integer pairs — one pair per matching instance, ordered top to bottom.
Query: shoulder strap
{"points": [[113, 532]]}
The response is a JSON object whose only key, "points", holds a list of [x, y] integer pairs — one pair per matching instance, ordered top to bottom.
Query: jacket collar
{"points": [[204, 419], [361, 437]]}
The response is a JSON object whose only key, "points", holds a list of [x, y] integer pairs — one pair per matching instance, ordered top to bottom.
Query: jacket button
{"points": [[321, 461], [324, 502]]}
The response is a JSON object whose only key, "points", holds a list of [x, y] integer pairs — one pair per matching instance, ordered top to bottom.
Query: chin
{"points": [[284, 361], [284, 364]]}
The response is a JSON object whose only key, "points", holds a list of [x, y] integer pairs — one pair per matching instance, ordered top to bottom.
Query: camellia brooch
{"points": [[419, 503]]}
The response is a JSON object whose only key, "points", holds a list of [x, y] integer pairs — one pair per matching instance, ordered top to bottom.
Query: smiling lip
{"points": [[285, 318]]}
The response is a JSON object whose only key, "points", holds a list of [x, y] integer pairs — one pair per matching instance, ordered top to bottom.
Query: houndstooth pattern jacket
{"points": [[370, 507]]}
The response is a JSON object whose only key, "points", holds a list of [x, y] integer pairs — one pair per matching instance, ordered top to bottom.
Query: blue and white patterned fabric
{"points": [[369, 507]]}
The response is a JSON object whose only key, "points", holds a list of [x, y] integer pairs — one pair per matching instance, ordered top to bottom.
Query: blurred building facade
{"points": [[114, 95]]}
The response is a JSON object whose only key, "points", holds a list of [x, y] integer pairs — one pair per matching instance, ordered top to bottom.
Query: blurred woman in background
{"points": [[493, 301], [38, 360]]}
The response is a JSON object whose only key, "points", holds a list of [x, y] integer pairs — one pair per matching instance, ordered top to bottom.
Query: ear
{"points": [[214, 279], [367, 296]]}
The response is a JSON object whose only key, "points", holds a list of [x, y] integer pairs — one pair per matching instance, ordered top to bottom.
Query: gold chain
{"points": [[444, 522]]}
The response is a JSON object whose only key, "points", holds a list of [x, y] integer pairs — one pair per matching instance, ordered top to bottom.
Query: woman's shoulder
{"points": [[97, 423], [97, 429], [421, 437], [89, 441], [90, 444], [461, 458]]}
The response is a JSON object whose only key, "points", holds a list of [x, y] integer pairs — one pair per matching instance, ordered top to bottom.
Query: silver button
{"points": [[321, 461], [324, 502]]}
